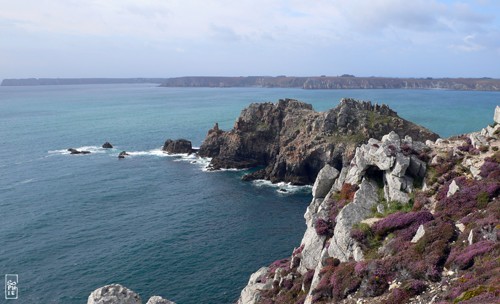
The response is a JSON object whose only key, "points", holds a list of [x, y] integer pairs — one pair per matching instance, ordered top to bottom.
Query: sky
{"points": [[173, 38]]}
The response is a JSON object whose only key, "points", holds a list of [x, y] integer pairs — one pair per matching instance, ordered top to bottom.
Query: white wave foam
{"points": [[91, 149], [154, 152], [203, 162], [282, 187]]}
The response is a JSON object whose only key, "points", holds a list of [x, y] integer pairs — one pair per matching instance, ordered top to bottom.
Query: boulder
{"points": [[496, 117], [107, 145], [178, 146], [324, 181], [452, 189], [419, 234], [113, 294], [158, 300]]}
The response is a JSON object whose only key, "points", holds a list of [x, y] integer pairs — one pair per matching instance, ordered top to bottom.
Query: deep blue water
{"points": [[158, 225]]}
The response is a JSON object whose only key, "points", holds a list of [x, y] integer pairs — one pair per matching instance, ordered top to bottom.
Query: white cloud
{"points": [[284, 33]]}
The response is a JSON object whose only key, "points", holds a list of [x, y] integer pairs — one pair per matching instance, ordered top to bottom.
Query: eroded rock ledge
{"points": [[293, 142], [402, 222]]}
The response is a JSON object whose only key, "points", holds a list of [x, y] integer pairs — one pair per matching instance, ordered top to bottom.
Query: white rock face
{"points": [[496, 117], [477, 140], [324, 181], [452, 189], [419, 234], [313, 243], [342, 246], [251, 293], [113, 294], [158, 300]]}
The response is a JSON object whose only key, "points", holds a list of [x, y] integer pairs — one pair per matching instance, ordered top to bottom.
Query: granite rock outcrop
{"points": [[293, 142], [118, 294]]}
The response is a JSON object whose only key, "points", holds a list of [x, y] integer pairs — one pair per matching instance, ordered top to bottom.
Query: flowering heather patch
{"points": [[465, 148], [406, 149], [489, 167], [347, 192], [473, 194], [400, 220], [323, 227], [298, 250], [464, 258], [283, 263], [308, 277], [337, 281], [343, 281], [375, 282], [409, 290]]}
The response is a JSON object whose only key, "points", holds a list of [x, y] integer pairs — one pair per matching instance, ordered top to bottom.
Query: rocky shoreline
{"points": [[398, 215]]}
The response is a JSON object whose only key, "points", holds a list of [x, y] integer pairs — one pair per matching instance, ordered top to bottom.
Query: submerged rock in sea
{"points": [[293, 142], [107, 145], [177, 146], [75, 151], [123, 154], [113, 294], [118, 294]]}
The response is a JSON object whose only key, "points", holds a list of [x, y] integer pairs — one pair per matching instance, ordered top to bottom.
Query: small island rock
{"points": [[107, 145], [178, 146], [75, 151]]}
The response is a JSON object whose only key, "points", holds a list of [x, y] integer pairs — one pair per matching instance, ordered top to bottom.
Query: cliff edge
{"points": [[293, 142], [402, 222]]}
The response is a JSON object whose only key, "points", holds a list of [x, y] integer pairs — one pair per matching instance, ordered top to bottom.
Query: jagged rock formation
{"points": [[293, 142], [177, 146], [403, 222], [118, 294]]}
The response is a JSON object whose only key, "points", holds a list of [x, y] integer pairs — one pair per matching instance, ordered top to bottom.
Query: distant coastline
{"points": [[309, 83]]}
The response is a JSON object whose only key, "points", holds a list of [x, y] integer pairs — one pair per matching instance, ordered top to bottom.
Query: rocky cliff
{"points": [[337, 82], [293, 142], [402, 222]]}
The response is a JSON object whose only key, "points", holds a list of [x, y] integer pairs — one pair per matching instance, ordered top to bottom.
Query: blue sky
{"points": [[169, 38]]}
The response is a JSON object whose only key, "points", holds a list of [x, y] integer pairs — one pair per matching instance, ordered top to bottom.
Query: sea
{"points": [[157, 224]]}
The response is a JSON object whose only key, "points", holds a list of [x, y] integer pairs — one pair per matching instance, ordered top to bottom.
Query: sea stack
{"points": [[107, 145], [177, 146]]}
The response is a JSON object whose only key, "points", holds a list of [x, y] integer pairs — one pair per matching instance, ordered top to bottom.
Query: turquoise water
{"points": [[158, 225]]}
